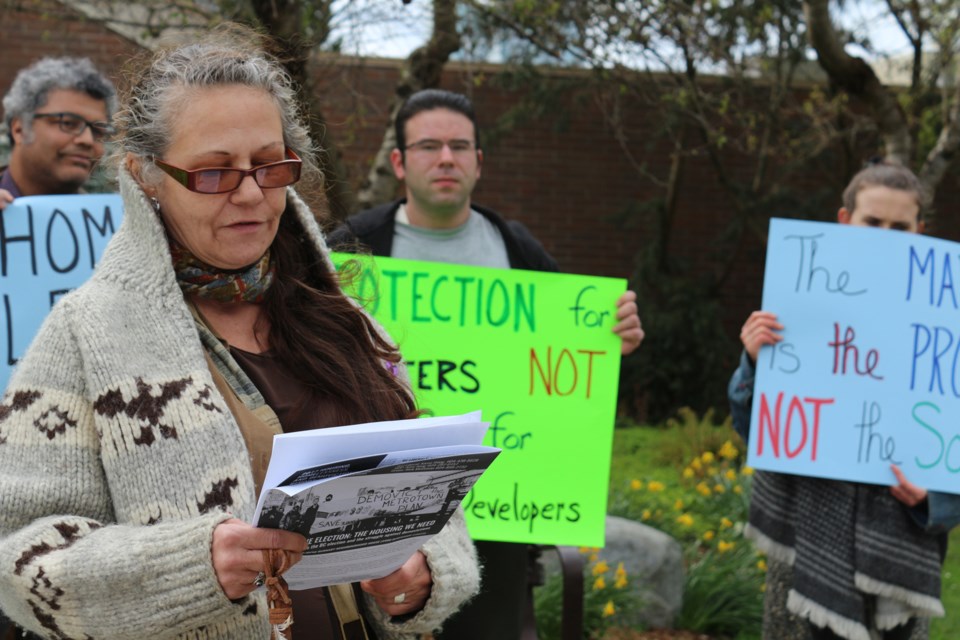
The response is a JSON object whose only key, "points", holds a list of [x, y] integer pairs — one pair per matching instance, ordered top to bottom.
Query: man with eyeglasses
{"points": [[57, 113], [438, 157]]}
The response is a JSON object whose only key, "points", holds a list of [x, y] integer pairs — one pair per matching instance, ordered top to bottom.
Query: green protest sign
{"points": [[535, 352]]}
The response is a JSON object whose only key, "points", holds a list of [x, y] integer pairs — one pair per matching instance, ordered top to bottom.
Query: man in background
{"points": [[57, 114], [439, 159]]}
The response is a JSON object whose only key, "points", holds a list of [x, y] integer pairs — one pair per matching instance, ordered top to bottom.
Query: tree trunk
{"points": [[282, 19], [421, 70], [857, 78], [943, 153]]}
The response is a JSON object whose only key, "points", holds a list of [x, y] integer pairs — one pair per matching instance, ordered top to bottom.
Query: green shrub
{"points": [[688, 356], [689, 436], [708, 503], [704, 506], [722, 593], [606, 596]]}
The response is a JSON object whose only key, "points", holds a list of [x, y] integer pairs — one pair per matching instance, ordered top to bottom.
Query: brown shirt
{"points": [[298, 408]]}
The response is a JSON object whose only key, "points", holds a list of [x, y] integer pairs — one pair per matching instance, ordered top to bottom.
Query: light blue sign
{"points": [[48, 246], [868, 372]]}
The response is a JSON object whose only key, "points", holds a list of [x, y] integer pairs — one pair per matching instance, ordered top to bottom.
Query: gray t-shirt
{"points": [[477, 242]]}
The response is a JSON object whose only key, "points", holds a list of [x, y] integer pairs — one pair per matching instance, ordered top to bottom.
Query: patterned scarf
{"points": [[195, 277], [859, 561]]}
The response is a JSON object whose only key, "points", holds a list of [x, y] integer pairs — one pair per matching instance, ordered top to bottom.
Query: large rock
{"points": [[654, 564]]}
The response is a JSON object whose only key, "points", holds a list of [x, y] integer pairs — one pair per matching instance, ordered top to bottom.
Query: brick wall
{"points": [[49, 29], [567, 180]]}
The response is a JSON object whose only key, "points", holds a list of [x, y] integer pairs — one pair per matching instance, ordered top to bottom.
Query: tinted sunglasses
{"points": [[222, 179]]}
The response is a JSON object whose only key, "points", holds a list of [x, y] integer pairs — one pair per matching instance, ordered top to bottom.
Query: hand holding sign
{"points": [[628, 323], [760, 329], [539, 353], [873, 377], [905, 491]]}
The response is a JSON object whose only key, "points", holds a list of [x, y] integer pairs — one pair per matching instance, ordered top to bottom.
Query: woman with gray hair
{"points": [[136, 430]]}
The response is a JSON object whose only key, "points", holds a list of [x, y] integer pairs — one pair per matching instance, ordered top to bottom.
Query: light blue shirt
{"points": [[477, 242]]}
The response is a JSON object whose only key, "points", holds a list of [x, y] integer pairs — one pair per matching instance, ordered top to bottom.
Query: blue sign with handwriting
{"points": [[48, 246], [868, 371]]}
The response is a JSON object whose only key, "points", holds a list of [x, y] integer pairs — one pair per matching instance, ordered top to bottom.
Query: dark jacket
{"points": [[374, 228]]}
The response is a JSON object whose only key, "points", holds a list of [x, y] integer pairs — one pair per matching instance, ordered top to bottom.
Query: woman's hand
{"points": [[760, 328], [905, 491], [238, 553], [405, 590]]}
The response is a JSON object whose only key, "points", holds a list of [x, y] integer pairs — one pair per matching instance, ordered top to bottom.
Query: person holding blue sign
{"points": [[58, 113], [439, 159], [136, 430], [851, 560]]}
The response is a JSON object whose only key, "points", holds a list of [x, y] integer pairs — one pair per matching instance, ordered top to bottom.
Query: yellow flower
{"points": [[728, 451], [707, 457], [696, 464], [747, 471], [688, 473], [730, 475], [636, 485], [655, 486], [719, 488], [703, 489], [737, 489], [678, 505], [645, 515], [685, 519], [725, 523], [708, 536], [723, 546], [586, 550], [592, 557], [762, 564], [600, 568], [620, 573], [620, 582], [599, 584], [609, 609]]}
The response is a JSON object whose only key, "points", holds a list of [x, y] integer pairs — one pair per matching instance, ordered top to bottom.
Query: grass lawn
{"points": [[636, 456], [949, 627]]}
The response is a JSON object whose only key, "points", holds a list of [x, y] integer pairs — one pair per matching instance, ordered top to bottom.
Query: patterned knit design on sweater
{"points": [[118, 458]]}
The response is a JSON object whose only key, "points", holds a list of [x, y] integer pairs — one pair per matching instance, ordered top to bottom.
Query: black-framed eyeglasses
{"points": [[75, 125], [431, 146], [213, 180]]}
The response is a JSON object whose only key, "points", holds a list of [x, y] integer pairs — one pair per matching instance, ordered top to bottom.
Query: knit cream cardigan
{"points": [[118, 458]]}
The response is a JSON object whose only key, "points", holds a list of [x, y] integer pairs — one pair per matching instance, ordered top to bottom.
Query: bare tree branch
{"points": [[284, 19], [421, 70], [857, 78], [944, 151]]}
